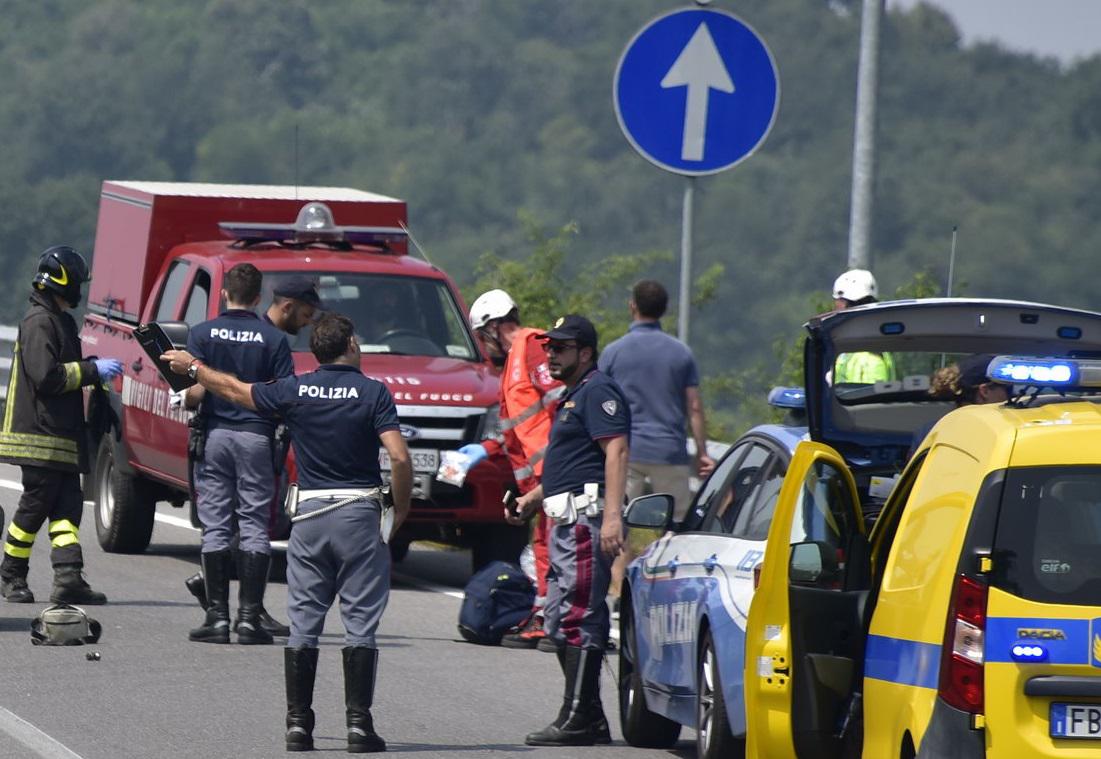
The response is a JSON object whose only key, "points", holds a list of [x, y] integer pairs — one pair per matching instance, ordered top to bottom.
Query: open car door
{"points": [[804, 637]]}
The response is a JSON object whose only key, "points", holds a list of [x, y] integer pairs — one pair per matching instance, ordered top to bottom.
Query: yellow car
{"points": [[966, 622]]}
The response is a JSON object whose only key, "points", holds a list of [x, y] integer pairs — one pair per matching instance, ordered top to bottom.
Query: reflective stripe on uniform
{"points": [[72, 376], [13, 381], [545, 402], [42, 441], [38, 454], [522, 473], [63, 533], [20, 534], [17, 552]]}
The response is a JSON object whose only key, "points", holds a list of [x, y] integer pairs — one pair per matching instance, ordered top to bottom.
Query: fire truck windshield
{"points": [[413, 316]]}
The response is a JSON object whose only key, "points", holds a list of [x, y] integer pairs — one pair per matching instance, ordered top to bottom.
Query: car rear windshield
{"points": [[413, 316], [1047, 547]]}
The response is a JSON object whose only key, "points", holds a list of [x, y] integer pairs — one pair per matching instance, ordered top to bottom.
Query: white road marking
{"points": [[34, 739]]}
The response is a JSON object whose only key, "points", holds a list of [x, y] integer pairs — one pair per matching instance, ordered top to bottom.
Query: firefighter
{"points": [[528, 397], [337, 417], [44, 431], [235, 478], [584, 481]]}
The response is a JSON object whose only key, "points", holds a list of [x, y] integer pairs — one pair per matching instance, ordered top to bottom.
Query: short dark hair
{"points": [[242, 283], [650, 298], [330, 337]]}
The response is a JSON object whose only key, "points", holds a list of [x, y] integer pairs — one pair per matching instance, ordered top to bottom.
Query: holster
{"points": [[196, 444], [280, 444]]}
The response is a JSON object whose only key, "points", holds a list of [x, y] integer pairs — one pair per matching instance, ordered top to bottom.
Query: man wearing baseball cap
{"points": [[294, 304], [582, 493]]}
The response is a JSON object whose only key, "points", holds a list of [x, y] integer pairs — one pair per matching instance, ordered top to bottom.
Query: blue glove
{"points": [[108, 367], [475, 451]]}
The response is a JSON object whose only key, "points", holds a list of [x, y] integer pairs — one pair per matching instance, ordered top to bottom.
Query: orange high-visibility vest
{"points": [[526, 413]]}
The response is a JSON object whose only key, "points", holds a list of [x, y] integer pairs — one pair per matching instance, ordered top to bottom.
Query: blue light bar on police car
{"points": [[1050, 372], [787, 397]]}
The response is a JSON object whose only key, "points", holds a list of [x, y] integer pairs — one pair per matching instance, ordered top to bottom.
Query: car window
{"points": [[172, 290], [198, 300], [737, 490], [824, 508], [700, 513], [755, 516], [1047, 546]]}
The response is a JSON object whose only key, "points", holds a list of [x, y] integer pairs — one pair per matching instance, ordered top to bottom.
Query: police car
{"points": [[942, 623]]}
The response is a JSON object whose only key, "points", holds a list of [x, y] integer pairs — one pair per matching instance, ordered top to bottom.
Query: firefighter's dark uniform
{"points": [[335, 416], [44, 432]]}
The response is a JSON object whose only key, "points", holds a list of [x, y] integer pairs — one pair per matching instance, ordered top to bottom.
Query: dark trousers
{"points": [[47, 494]]}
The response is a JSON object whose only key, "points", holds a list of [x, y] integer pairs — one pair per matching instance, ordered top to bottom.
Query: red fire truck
{"points": [[161, 251]]}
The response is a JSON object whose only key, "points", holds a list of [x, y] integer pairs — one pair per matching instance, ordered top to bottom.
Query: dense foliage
{"points": [[493, 118]]}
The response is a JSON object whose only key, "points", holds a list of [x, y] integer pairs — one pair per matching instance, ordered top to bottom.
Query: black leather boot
{"points": [[252, 577], [13, 580], [70, 587], [197, 587], [215, 628], [360, 666], [582, 668], [300, 670]]}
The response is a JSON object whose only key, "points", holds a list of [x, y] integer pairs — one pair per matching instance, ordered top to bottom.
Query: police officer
{"points": [[293, 306], [337, 418], [44, 430], [235, 477], [584, 479]]}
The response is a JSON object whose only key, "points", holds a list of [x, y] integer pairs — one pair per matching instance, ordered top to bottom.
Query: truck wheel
{"points": [[124, 506], [497, 542], [641, 727], [713, 737]]}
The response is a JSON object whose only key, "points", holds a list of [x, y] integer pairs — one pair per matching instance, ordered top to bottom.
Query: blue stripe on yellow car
{"points": [[1067, 641], [907, 662]]}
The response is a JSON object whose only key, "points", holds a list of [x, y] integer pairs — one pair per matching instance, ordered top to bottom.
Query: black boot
{"points": [[252, 577], [13, 580], [70, 587], [197, 587], [273, 625], [215, 629], [360, 665], [300, 669], [579, 727]]}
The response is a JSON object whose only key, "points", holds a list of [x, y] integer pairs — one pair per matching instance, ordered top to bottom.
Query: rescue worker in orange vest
{"points": [[528, 397]]}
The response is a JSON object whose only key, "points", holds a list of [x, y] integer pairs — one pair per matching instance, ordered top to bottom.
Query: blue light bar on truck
{"points": [[314, 224]]}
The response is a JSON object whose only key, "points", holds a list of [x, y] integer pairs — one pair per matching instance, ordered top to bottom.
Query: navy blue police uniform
{"points": [[335, 416], [235, 482], [580, 573]]}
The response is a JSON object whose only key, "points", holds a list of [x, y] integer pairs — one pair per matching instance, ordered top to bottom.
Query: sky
{"points": [[1065, 29]]}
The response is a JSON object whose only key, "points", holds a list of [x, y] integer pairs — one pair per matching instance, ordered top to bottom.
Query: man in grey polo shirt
{"points": [[659, 377]]}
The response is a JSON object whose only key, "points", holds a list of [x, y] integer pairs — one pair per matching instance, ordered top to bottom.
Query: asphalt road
{"points": [[153, 693]]}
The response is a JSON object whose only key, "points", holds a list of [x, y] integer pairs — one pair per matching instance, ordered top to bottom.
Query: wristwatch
{"points": [[193, 369]]}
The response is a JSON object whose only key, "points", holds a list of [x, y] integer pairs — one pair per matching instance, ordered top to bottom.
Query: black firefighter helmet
{"points": [[62, 270]]}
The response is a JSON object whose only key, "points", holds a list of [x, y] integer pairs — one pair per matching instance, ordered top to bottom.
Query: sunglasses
{"points": [[559, 347]]}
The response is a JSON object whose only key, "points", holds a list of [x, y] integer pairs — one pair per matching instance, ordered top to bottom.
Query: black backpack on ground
{"points": [[498, 597]]}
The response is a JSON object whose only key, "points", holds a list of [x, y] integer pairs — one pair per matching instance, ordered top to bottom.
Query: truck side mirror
{"points": [[177, 332], [649, 511], [813, 563]]}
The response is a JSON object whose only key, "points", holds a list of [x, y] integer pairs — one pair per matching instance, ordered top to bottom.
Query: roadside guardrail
{"points": [[7, 345]]}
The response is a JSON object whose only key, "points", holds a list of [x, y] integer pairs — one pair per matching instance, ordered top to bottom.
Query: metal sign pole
{"points": [[684, 299]]}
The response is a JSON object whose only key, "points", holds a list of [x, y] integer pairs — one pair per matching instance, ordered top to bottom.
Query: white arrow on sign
{"points": [[700, 68]]}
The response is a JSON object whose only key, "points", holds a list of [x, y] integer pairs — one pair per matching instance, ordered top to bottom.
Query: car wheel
{"points": [[124, 506], [641, 727], [713, 736]]}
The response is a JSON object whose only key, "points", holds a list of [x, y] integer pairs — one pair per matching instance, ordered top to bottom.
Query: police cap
{"points": [[299, 288], [572, 327]]}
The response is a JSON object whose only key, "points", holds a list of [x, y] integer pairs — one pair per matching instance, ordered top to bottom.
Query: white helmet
{"points": [[855, 285], [495, 304]]}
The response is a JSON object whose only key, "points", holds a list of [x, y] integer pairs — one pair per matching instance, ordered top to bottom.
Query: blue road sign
{"points": [[696, 91]]}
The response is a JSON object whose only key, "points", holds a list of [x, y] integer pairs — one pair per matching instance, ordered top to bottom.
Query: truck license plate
{"points": [[425, 460], [1076, 721]]}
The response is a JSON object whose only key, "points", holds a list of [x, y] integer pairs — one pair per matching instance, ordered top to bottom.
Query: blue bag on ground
{"points": [[498, 597]]}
